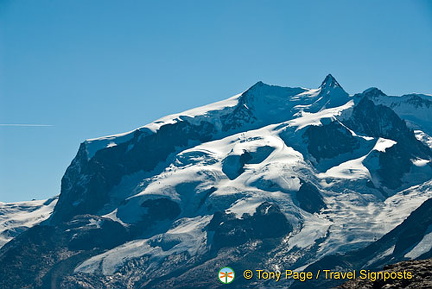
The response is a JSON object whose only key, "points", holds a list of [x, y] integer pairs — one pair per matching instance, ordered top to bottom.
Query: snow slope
{"points": [[18, 217]]}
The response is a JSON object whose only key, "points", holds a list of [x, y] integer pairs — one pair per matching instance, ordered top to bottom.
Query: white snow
{"points": [[269, 102], [212, 111], [307, 118], [423, 137], [382, 144], [420, 162], [352, 169], [355, 169], [245, 206], [16, 217], [360, 219], [314, 228], [188, 235], [424, 246]]}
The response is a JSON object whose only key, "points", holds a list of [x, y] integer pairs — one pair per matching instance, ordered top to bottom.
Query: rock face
{"points": [[330, 140], [274, 178], [87, 183], [310, 199], [231, 231], [43, 255], [421, 271]]}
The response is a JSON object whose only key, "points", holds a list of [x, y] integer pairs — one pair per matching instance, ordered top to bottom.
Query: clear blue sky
{"points": [[94, 68]]}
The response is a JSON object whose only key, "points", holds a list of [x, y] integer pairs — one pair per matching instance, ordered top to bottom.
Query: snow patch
{"points": [[307, 118], [382, 144], [420, 162], [424, 246]]}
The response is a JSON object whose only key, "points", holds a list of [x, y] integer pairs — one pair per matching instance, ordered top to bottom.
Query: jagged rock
{"points": [[310, 199], [231, 231], [421, 271]]}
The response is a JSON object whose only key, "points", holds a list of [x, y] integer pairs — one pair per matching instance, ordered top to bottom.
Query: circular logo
{"points": [[226, 275]]}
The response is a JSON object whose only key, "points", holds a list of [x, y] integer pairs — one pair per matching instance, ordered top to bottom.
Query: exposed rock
{"points": [[331, 140], [310, 198], [267, 222], [42, 255], [421, 277]]}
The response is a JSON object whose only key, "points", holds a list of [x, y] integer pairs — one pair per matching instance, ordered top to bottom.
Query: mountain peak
{"points": [[330, 82], [258, 86], [373, 92], [331, 93]]}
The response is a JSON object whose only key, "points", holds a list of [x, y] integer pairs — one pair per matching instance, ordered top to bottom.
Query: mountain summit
{"points": [[330, 82], [331, 93], [273, 178]]}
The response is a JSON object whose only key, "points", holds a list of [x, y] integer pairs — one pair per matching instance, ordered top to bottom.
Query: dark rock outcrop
{"points": [[330, 140], [309, 198], [267, 222], [421, 271]]}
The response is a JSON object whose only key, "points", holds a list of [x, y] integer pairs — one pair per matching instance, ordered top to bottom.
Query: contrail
{"points": [[25, 124]]}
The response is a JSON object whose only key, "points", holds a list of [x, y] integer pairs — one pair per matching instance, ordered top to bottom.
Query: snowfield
{"points": [[17, 217]]}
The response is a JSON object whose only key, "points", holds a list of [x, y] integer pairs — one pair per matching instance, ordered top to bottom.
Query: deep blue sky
{"points": [[94, 68]]}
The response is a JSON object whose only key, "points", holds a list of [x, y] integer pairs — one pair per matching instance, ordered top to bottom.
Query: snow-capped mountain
{"points": [[414, 108], [274, 178], [15, 218]]}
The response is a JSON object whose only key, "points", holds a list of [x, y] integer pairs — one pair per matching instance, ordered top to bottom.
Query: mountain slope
{"points": [[272, 178], [15, 218], [409, 240]]}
